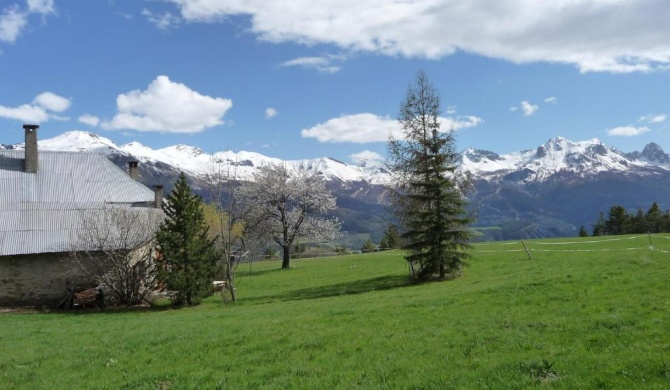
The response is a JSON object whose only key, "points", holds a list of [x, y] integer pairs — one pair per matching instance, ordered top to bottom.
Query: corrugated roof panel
{"points": [[40, 211]]}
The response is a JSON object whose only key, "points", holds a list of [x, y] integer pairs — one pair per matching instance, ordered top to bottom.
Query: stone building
{"points": [[42, 197]]}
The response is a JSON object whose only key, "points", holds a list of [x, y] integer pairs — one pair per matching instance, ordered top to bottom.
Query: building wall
{"points": [[33, 280]]}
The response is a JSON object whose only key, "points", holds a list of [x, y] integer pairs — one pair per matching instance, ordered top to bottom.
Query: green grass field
{"points": [[568, 319]]}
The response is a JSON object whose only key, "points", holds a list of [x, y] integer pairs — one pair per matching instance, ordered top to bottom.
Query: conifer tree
{"points": [[427, 200], [654, 218], [618, 221], [599, 227], [582, 232], [391, 238], [368, 246], [187, 264]]}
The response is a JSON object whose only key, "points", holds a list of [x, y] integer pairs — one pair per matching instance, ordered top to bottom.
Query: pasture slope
{"points": [[589, 314]]}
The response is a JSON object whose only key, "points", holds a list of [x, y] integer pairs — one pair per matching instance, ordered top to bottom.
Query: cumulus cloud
{"points": [[43, 7], [14, 19], [162, 21], [596, 35], [324, 64], [551, 100], [52, 102], [167, 107], [43, 108], [528, 108], [25, 113], [270, 113], [653, 118], [89, 119], [460, 122], [366, 127], [358, 128], [627, 131], [366, 158]]}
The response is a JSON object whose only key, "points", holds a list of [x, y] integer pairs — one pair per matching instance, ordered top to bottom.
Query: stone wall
{"points": [[33, 280]]}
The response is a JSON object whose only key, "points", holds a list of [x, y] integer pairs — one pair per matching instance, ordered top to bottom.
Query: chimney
{"points": [[31, 159], [133, 170], [158, 196]]}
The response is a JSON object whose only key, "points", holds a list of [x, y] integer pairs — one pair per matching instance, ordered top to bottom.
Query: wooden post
{"points": [[527, 251]]}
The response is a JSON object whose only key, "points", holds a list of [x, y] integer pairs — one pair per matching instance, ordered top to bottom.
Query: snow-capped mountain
{"points": [[556, 156], [561, 156], [197, 163], [548, 191]]}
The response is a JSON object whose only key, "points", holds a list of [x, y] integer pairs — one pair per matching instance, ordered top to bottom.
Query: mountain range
{"points": [[548, 191]]}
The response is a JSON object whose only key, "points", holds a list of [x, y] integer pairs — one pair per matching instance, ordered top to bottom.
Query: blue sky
{"points": [[298, 79]]}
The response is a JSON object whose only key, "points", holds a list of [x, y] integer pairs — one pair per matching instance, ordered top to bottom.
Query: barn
{"points": [[42, 197]]}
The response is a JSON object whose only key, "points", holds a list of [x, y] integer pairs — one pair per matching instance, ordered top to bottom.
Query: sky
{"points": [[298, 79]]}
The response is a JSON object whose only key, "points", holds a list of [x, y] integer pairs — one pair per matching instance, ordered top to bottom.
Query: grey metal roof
{"points": [[41, 212]]}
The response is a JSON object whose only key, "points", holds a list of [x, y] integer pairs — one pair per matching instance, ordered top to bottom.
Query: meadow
{"points": [[588, 313]]}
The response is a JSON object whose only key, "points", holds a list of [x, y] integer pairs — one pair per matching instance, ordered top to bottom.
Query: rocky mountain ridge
{"points": [[548, 191]]}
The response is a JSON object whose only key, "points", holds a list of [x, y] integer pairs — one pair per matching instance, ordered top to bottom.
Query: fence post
{"points": [[527, 251]]}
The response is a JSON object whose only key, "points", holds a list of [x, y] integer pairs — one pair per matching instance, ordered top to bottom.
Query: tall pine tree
{"points": [[427, 200], [188, 258]]}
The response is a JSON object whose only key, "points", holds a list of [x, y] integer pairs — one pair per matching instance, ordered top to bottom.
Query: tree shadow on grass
{"points": [[245, 272], [362, 286]]}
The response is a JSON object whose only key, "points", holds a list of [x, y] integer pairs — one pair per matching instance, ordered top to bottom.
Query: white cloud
{"points": [[43, 7], [12, 21], [162, 21], [594, 35], [324, 64], [551, 100], [52, 102], [167, 107], [514, 108], [528, 109], [41, 110], [451, 110], [25, 113], [270, 113], [653, 118], [89, 119], [460, 122], [366, 127], [358, 128], [627, 131], [366, 158]]}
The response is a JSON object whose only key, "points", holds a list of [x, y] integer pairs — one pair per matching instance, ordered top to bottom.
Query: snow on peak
{"points": [[79, 141], [556, 155]]}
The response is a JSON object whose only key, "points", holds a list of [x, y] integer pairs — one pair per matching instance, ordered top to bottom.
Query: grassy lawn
{"points": [[576, 316]]}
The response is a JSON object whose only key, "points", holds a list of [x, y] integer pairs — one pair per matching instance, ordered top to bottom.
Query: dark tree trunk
{"points": [[285, 261]]}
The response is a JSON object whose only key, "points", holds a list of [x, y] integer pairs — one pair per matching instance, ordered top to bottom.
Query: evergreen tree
{"points": [[426, 199], [654, 219], [618, 221], [638, 223], [599, 227], [582, 232], [391, 237], [368, 246], [188, 257]]}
